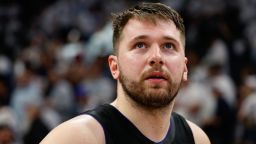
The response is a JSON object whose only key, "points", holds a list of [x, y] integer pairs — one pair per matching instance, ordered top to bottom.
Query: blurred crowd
{"points": [[53, 65]]}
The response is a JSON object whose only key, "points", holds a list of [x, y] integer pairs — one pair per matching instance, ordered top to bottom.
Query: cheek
{"points": [[131, 66], [176, 68]]}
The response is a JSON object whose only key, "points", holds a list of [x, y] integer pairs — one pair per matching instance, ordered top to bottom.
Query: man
{"points": [[149, 65]]}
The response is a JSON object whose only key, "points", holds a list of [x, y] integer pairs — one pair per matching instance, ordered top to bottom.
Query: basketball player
{"points": [[149, 65]]}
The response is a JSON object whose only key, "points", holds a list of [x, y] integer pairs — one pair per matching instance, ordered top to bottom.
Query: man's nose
{"points": [[155, 56]]}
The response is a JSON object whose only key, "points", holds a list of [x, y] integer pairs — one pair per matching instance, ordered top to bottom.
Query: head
{"points": [[146, 11], [149, 61]]}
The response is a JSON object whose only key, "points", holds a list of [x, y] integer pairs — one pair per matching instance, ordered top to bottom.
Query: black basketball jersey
{"points": [[119, 130]]}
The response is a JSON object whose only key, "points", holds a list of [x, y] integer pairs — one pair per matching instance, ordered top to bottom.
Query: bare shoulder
{"points": [[79, 130], [199, 135]]}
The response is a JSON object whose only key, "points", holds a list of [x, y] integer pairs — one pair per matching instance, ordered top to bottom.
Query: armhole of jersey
{"points": [[100, 120], [182, 121]]}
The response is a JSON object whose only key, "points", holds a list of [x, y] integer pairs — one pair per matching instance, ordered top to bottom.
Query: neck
{"points": [[152, 122]]}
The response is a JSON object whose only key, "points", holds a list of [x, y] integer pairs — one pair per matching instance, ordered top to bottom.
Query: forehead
{"points": [[161, 28]]}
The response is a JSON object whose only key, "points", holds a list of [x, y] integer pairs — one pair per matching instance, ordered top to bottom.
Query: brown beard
{"points": [[146, 96]]}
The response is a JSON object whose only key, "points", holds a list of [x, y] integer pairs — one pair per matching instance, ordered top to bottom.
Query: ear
{"points": [[113, 66], [185, 73]]}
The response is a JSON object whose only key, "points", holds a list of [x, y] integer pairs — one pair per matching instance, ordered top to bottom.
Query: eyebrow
{"points": [[141, 37], [170, 38]]}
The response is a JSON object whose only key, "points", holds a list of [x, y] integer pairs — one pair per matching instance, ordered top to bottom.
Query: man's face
{"points": [[150, 64]]}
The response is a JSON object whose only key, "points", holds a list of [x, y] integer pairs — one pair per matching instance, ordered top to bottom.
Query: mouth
{"points": [[156, 76]]}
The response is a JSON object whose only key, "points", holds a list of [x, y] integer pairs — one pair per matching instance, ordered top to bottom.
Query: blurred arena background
{"points": [[53, 65]]}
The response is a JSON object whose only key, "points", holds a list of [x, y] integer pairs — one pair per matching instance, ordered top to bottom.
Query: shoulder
{"points": [[81, 129], [199, 135]]}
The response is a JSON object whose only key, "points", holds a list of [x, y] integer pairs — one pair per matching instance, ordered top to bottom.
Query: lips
{"points": [[156, 75]]}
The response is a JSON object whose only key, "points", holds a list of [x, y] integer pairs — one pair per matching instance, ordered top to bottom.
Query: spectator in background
{"points": [[6, 83], [99, 88], [28, 91], [59, 95], [27, 102], [201, 104], [247, 112], [222, 125], [8, 126], [37, 129], [6, 135]]}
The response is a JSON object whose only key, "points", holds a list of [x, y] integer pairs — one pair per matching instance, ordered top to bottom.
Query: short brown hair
{"points": [[146, 11]]}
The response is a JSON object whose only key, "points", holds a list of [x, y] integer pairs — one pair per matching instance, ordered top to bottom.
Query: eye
{"points": [[140, 45], [168, 46]]}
